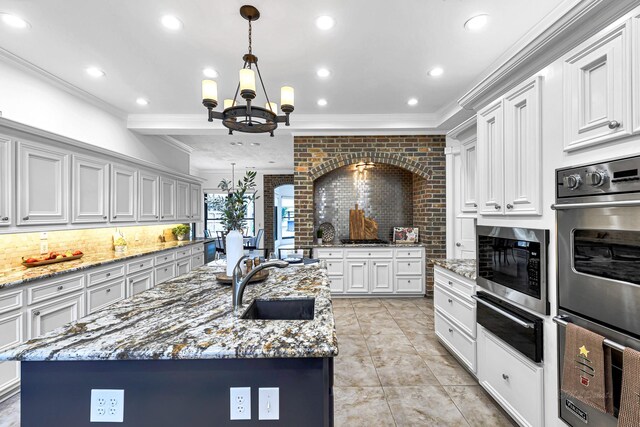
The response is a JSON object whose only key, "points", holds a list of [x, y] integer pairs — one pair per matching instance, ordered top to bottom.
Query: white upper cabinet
{"points": [[635, 42], [597, 87], [523, 149], [490, 150], [468, 156], [6, 182], [43, 184], [90, 190], [123, 193], [167, 199], [183, 201], [197, 202], [149, 204]]}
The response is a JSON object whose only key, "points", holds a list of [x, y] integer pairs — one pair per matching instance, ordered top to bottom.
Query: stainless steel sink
{"points": [[285, 309]]}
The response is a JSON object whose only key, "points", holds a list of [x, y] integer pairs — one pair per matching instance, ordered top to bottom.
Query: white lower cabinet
{"points": [[197, 261], [183, 266], [383, 270], [165, 272], [139, 283], [105, 295], [48, 316], [456, 340], [511, 379]]}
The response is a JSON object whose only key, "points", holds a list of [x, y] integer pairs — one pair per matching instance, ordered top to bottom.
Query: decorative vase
{"points": [[180, 237], [234, 248], [120, 249]]}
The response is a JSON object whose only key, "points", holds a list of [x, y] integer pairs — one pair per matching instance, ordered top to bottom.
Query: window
{"points": [[213, 214]]}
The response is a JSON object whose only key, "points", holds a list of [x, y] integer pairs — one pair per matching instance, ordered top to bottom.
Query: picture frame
{"points": [[406, 235]]}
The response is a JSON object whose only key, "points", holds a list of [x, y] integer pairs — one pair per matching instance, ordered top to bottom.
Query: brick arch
{"points": [[369, 156], [270, 183]]}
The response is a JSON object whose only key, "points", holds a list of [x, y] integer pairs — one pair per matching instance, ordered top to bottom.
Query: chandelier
{"points": [[248, 118]]}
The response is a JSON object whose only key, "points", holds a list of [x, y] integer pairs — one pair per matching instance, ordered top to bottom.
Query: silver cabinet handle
{"points": [[614, 124], [475, 205], [509, 206], [497, 207], [115, 216], [156, 216], [162, 216], [104, 217], [5, 218], [25, 218], [458, 244], [369, 253], [408, 253], [330, 254], [374, 263], [408, 264], [330, 265], [166, 269], [108, 274], [450, 283], [60, 288], [108, 290], [450, 300], [36, 313], [450, 330], [505, 377]]}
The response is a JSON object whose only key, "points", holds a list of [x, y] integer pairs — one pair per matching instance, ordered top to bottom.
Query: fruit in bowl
{"points": [[76, 253], [31, 260]]}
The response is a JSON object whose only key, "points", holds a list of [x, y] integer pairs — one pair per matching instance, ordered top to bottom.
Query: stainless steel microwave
{"points": [[512, 263]]}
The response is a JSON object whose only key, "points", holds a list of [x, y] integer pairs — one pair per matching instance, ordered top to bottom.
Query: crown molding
{"points": [[564, 28], [11, 59], [462, 127], [177, 144]]}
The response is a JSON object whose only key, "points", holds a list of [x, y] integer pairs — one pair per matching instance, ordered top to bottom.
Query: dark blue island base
{"points": [[178, 393]]}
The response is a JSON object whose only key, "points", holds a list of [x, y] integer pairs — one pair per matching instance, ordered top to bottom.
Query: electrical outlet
{"points": [[240, 398], [269, 403], [107, 406]]}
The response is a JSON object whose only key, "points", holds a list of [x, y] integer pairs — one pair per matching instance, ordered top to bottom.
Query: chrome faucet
{"points": [[239, 283]]}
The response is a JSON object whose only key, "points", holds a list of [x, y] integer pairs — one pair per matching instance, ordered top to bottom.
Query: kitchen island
{"points": [[176, 350]]}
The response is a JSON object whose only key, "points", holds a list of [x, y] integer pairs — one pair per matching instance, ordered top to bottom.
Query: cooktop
{"points": [[363, 241]]}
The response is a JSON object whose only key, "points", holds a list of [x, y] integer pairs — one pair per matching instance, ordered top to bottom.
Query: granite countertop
{"points": [[366, 245], [462, 267], [18, 275], [191, 317]]}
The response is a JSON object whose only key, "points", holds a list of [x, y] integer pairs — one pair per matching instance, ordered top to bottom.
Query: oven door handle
{"points": [[618, 204], [506, 314], [563, 320]]}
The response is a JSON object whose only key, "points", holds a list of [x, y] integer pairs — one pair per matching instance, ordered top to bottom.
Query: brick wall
{"points": [[422, 155], [270, 183]]}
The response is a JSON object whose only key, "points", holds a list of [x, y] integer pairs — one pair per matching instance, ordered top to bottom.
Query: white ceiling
{"points": [[379, 52]]}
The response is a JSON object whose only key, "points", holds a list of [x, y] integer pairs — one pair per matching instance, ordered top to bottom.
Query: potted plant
{"points": [[234, 214], [181, 230], [319, 234]]}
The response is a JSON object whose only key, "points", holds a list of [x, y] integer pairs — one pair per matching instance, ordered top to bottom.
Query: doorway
{"points": [[283, 217]]}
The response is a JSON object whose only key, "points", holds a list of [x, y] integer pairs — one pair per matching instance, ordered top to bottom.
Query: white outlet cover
{"points": [[240, 403], [269, 403], [107, 406]]}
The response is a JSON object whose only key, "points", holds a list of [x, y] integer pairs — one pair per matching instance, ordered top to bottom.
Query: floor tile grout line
{"points": [[454, 402]]}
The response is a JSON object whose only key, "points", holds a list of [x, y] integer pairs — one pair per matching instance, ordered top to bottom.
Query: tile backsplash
{"points": [[95, 240]]}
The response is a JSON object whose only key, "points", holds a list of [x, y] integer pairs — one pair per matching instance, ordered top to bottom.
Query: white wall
{"points": [[34, 100]]}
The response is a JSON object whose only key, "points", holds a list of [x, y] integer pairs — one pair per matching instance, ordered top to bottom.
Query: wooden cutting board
{"points": [[361, 227]]}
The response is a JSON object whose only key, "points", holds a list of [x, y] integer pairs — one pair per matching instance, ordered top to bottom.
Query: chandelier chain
{"points": [[250, 33]]}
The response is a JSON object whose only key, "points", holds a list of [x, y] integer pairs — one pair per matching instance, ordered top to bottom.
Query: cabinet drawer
{"points": [[196, 249], [182, 253], [329, 253], [369, 253], [409, 253], [165, 257], [197, 261], [139, 265], [183, 266], [335, 267], [409, 267], [165, 272], [99, 276], [139, 283], [337, 284], [409, 285], [463, 285], [54, 289], [105, 295], [10, 300], [460, 311], [51, 315], [11, 329], [457, 341], [513, 381]]}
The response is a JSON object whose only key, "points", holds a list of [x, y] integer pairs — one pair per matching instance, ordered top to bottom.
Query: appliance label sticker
{"points": [[576, 411]]}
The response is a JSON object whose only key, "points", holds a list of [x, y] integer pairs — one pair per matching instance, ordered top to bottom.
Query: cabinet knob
{"points": [[614, 124], [475, 205], [509, 206], [497, 207], [115, 216], [156, 216], [162, 216], [104, 217], [5, 218], [25, 218], [458, 244], [369, 253], [408, 253], [330, 254], [374, 263], [409, 264], [330, 265], [166, 269], [108, 274], [131, 281], [408, 281], [450, 283], [60, 288], [450, 300], [36, 313], [450, 330], [505, 377]]}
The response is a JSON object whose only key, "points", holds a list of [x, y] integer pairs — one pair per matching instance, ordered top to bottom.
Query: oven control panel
{"points": [[613, 177]]}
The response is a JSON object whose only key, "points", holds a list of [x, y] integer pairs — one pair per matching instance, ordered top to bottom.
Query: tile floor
{"points": [[391, 371]]}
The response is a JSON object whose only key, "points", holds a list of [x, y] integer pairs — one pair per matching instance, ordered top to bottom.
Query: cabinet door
{"points": [[635, 72], [597, 90], [523, 149], [468, 156], [490, 160], [6, 182], [43, 184], [149, 187], [90, 190], [123, 193], [167, 199], [183, 202], [197, 202], [183, 267], [357, 276], [381, 276], [139, 283], [47, 317], [11, 334]]}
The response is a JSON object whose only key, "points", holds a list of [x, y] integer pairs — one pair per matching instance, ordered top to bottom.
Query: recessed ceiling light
{"points": [[14, 21], [171, 22], [325, 22], [477, 22], [95, 72], [210, 72], [436, 72], [323, 73], [142, 101], [412, 101], [322, 102], [239, 143], [255, 144]]}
